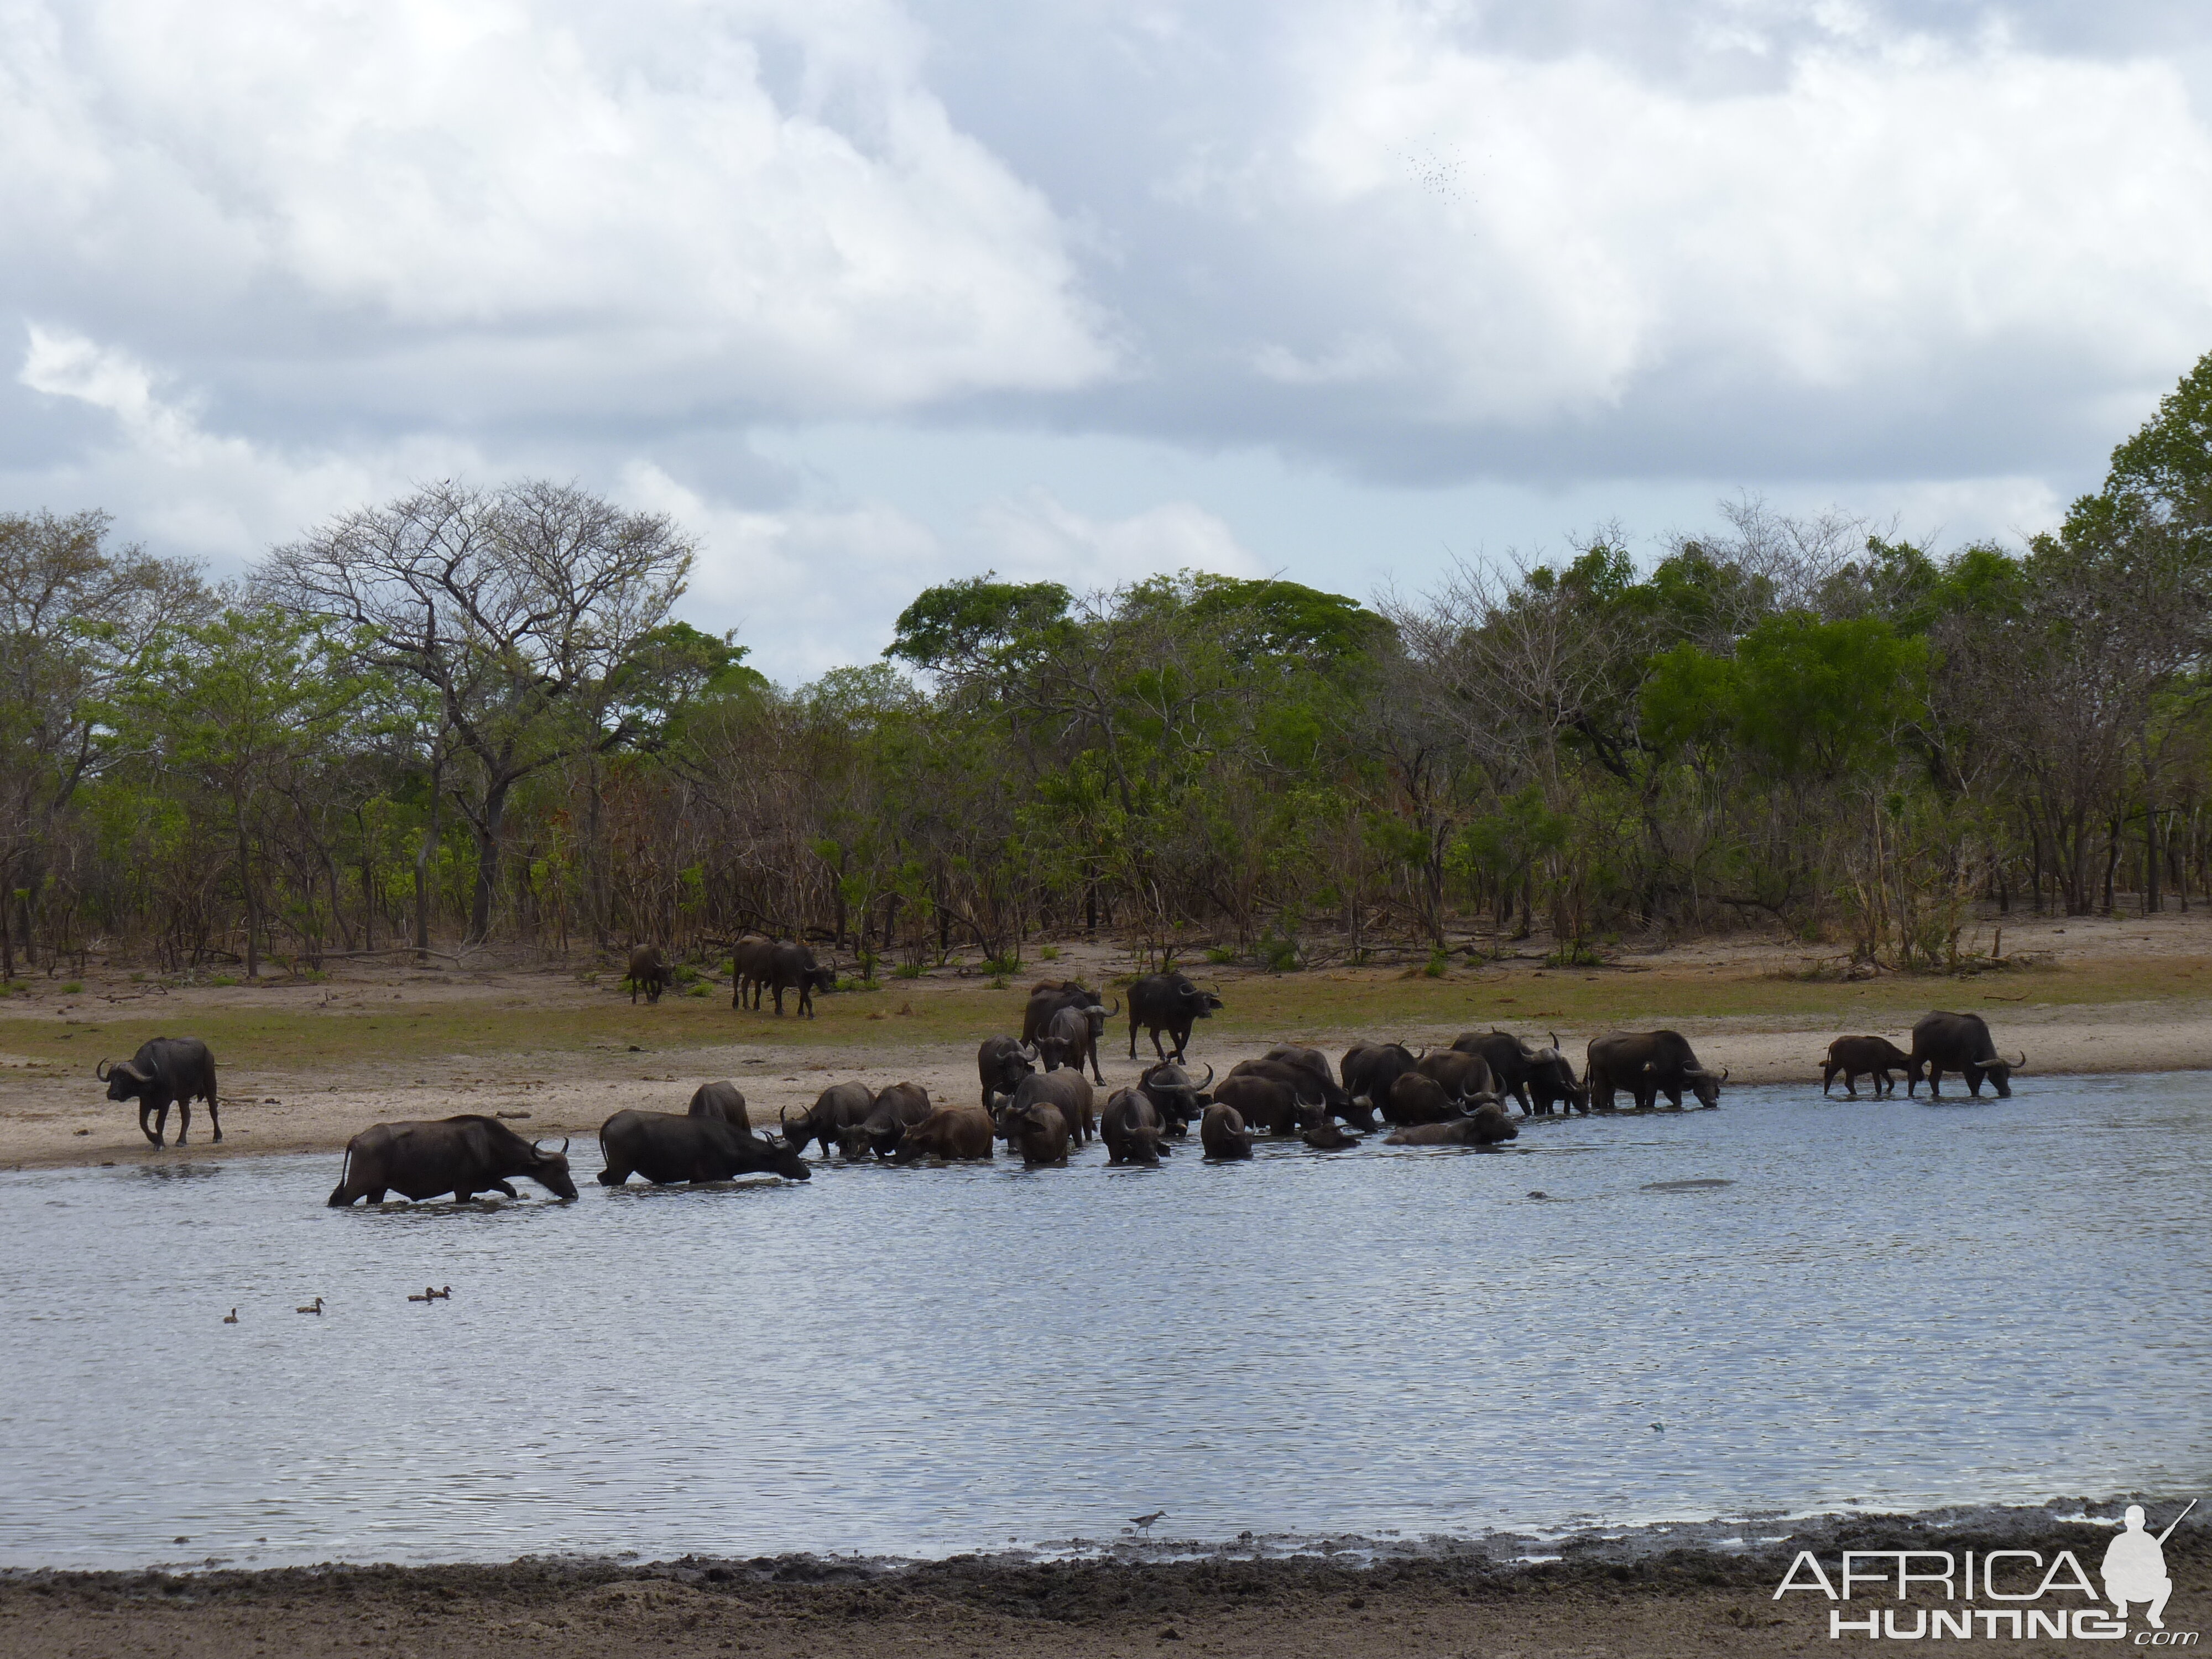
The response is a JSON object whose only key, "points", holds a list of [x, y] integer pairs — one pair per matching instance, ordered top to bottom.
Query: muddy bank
{"points": [[1661, 1592]]}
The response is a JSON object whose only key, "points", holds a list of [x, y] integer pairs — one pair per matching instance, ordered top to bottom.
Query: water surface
{"points": [[1887, 1305]]}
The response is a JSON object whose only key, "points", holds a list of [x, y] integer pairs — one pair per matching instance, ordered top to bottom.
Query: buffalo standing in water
{"points": [[649, 972], [1961, 1043], [1859, 1056], [1648, 1064], [1001, 1065], [1368, 1070], [165, 1071], [1540, 1079], [1070, 1093], [723, 1100], [898, 1108], [835, 1110], [1132, 1128], [1038, 1131], [957, 1132], [1222, 1133], [667, 1149], [463, 1156]]}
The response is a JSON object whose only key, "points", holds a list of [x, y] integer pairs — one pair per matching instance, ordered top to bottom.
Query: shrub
{"points": [[1048, 952], [1219, 954], [907, 970], [224, 980], [72, 987]]}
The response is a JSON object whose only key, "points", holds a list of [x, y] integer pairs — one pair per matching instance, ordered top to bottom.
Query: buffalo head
{"points": [[1998, 1070], [123, 1080], [550, 1170]]}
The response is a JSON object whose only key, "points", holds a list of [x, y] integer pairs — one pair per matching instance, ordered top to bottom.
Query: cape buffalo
{"points": [[749, 960], [793, 968], [649, 972], [1046, 998], [1170, 1003], [1073, 1035], [1953, 1042], [1855, 1056], [1001, 1064], [1648, 1064], [1370, 1068], [165, 1071], [1463, 1075], [1540, 1079], [1169, 1087], [1070, 1091], [1334, 1095], [1417, 1098], [723, 1100], [1273, 1103], [836, 1109], [897, 1109], [1486, 1128], [1132, 1129], [1037, 1131], [949, 1132], [1222, 1133], [1324, 1135], [666, 1149], [463, 1156]]}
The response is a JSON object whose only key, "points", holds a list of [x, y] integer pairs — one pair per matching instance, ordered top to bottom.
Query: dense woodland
{"points": [[472, 719]]}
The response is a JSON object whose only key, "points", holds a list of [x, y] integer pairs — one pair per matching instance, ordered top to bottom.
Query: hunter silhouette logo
{"points": [[2135, 1566], [2009, 1594]]}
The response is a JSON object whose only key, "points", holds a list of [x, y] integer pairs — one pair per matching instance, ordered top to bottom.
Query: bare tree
{"points": [[511, 605]]}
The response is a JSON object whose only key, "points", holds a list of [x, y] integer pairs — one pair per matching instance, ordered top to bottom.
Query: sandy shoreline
{"points": [[1659, 1593]]}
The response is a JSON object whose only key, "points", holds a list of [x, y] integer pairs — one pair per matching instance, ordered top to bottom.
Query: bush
{"points": [[1048, 952], [1219, 954], [1575, 955], [1439, 961], [1000, 966], [907, 970], [224, 980], [998, 982], [72, 987], [701, 989]]}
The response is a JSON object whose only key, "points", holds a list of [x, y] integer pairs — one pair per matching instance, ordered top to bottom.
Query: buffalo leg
{"points": [[779, 1002], [1935, 1081], [145, 1110], [215, 1117], [183, 1119], [501, 1187], [375, 1196]]}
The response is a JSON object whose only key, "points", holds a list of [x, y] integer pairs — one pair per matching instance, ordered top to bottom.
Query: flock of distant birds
{"points": [[1035, 1097]]}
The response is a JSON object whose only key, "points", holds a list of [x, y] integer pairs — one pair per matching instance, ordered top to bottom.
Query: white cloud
{"points": [[610, 209], [1541, 238], [186, 490], [1035, 537]]}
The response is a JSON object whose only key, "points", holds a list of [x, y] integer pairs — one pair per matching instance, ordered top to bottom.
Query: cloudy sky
{"points": [[871, 295]]}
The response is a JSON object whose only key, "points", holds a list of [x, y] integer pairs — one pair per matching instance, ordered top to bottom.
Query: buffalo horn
{"points": [[1115, 1009], [1555, 1040], [2020, 1064], [100, 1072], [1724, 1072], [1208, 1084], [564, 1145]]}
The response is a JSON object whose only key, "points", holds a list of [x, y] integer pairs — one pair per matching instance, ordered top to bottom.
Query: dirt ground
{"points": [[306, 1066], [1450, 1602]]}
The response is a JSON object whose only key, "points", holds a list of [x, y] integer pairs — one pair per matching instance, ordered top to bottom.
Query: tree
{"points": [[515, 606], [76, 615]]}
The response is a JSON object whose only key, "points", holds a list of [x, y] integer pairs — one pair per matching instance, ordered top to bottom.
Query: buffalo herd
{"points": [[1043, 1094]]}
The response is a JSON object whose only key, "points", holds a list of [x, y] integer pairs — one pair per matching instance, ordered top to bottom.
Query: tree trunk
{"points": [[486, 831], [426, 856], [2151, 871], [252, 909], [7, 931]]}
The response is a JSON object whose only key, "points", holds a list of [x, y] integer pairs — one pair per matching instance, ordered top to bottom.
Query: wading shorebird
{"points": [[1143, 1522]]}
